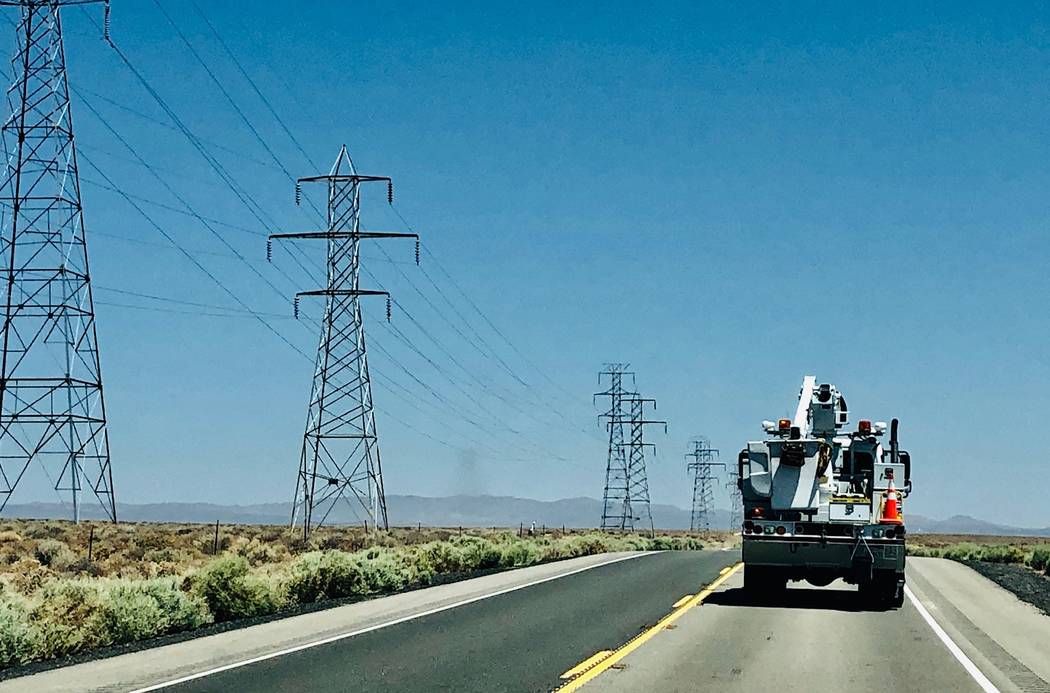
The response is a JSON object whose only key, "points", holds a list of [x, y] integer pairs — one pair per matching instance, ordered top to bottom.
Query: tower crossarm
{"points": [[343, 178], [328, 235], [343, 292]]}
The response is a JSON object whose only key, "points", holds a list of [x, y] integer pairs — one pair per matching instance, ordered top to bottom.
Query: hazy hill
{"points": [[466, 511]]}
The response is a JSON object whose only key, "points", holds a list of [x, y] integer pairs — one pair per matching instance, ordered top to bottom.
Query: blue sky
{"points": [[726, 196]]}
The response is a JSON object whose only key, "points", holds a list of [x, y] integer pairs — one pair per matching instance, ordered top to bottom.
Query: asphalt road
{"points": [[673, 621], [957, 631], [812, 639], [519, 641]]}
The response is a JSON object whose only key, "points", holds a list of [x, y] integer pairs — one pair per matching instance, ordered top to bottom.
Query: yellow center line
{"points": [[681, 601], [586, 664], [588, 673]]}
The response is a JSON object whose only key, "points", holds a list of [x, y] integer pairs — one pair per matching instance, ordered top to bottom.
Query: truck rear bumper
{"points": [[801, 557]]}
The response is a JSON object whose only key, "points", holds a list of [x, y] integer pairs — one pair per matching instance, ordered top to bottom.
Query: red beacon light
{"points": [[785, 424], [864, 426]]}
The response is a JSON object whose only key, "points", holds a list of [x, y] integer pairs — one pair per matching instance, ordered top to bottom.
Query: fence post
{"points": [[521, 529], [215, 541], [91, 542]]}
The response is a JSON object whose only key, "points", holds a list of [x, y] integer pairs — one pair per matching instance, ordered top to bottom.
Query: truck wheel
{"points": [[884, 589]]}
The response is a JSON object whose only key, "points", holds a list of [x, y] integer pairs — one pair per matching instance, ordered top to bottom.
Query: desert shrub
{"points": [[43, 530], [8, 536], [587, 544], [924, 551], [964, 551], [260, 553], [478, 553], [520, 553], [1003, 553], [54, 554], [167, 554], [444, 557], [1040, 558], [417, 566], [385, 571], [29, 575], [320, 575], [230, 591], [179, 610], [66, 612], [79, 614], [126, 614], [19, 638]]}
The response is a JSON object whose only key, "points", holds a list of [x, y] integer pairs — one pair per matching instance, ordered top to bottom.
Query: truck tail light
{"points": [[780, 529]]}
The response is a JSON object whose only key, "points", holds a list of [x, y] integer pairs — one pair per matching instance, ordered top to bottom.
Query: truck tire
{"points": [[884, 590]]}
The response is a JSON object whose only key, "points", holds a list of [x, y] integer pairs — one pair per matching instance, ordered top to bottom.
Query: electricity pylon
{"points": [[52, 411], [340, 455], [704, 457], [736, 499], [615, 504], [638, 507]]}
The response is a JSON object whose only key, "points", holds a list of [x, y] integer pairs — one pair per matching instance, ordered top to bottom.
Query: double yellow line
{"points": [[602, 661]]}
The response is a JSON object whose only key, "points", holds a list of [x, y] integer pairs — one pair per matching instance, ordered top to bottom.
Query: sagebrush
{"points": [[1022, 552], [54, 602]]}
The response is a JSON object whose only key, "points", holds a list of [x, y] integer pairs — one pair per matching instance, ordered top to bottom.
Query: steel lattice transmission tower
{"points": [[52, 412], [340, 455], [701, 467], [736, 499], [615, 504], [638, 507]]}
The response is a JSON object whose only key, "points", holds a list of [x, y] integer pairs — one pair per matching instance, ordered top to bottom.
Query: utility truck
{"points": [[824, 501]]}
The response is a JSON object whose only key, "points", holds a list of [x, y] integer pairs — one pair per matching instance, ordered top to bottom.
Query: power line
{"points": [[255, 87], [197, 144], [276, 159], [194, 260], [181, 302]]}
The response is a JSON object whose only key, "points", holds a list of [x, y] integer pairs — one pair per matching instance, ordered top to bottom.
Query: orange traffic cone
{"points": [[891, 511]]}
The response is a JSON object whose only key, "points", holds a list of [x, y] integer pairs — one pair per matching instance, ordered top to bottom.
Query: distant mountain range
{"points": [[465, 511]]}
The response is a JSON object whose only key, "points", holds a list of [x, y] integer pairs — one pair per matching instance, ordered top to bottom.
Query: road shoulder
{"points": [[1008, 639]]}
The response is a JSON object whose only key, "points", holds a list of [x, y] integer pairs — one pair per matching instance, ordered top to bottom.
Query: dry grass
{"points": [[32, 550], [1033, 552], [144, 580]]}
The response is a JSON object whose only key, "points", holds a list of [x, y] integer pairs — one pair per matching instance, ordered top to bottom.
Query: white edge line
{"points": [[386, 624], [967, 663]]}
